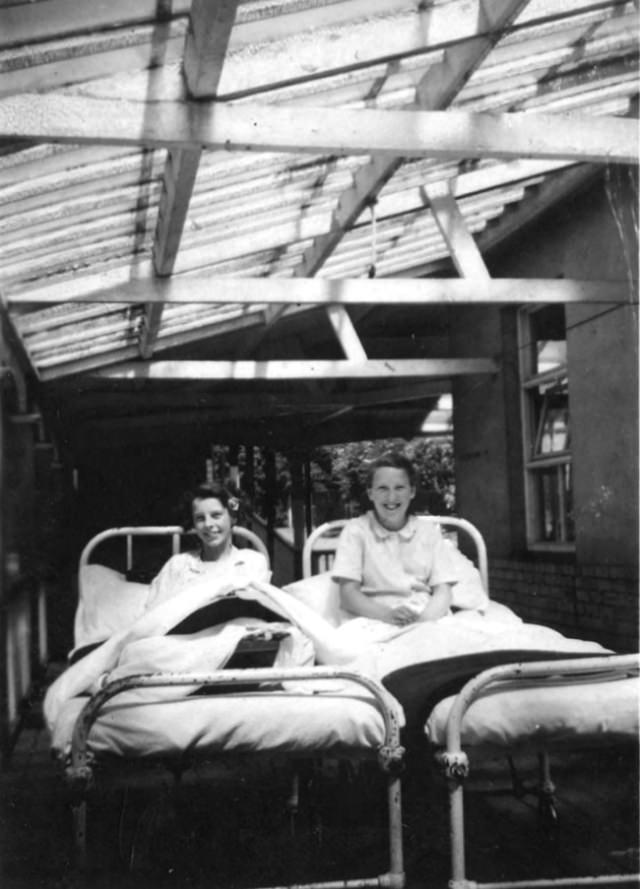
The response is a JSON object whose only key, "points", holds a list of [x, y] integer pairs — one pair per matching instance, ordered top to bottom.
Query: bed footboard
{"points": [[390, 753], [455, 763]]}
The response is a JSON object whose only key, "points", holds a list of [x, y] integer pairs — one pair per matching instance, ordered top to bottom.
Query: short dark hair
{"points": [[393, 460], [227, 494]]}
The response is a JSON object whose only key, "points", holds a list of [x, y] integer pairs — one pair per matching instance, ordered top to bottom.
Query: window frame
{"points": [[534, 464]]}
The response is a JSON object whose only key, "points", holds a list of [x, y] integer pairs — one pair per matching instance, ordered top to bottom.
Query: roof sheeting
{"points": [[90, 216]]}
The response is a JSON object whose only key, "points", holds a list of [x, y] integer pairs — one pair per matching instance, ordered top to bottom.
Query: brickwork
{"points": [[598, 602]]}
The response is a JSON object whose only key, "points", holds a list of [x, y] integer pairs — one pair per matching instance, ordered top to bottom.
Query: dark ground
{"points": [[234, 831]]}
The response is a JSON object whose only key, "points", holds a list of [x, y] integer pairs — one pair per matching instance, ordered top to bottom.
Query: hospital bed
{"points": [[544, 705], [154, 718]]}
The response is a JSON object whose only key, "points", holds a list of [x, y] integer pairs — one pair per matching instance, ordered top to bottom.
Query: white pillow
{"points": [[319, 592], [468, 593], [108, 603]]}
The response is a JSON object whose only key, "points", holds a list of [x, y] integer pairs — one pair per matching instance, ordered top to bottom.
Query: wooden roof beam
{"points": [[210, 26], [116, 37], [436, 91], [336, 131], [554, 190], [463, 249], [342, 292], [346, 333], [261, 371], [91, 402]]}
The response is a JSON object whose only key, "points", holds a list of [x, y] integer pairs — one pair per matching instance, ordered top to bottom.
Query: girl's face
{"points": [[391, 494], [212, 523]]}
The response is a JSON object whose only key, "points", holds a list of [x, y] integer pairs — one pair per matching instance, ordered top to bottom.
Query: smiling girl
{"points": [[212, 512], [390, 565]]}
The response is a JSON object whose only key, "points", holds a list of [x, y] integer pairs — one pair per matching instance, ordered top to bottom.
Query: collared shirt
{"points": [[382, 560], [184, 569]]}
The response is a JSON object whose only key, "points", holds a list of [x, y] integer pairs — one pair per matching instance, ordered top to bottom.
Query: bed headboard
{"points": [[174, 532], [320, 546]]}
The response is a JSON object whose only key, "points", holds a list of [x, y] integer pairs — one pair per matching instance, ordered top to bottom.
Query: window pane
{"points": [[548, 339], [552, 418], [555, 503]]}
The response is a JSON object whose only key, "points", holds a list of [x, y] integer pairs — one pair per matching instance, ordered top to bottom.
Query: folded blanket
{"points": [[142, 648]]}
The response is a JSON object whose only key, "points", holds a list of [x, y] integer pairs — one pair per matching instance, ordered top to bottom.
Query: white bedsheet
{"points": [[145, 648], [547, 714], [152, 721], [135, 725]]}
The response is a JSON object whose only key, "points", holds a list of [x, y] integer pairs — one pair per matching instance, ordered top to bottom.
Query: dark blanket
{"points": [[222, 611], [420, 687]]}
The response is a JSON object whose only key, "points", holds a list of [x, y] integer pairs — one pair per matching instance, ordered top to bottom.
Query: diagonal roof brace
{"points": [[210, 26], [438, 88], [463, 249]]}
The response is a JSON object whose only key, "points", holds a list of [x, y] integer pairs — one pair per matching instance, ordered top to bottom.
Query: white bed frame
{"points": [[318, 555], [80, 770]]}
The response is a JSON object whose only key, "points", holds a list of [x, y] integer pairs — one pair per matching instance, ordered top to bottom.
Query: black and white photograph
{"points": [[319, 445]]}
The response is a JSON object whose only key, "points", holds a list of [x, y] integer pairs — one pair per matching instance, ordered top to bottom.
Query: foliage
{"points": [[344, 470], [339, 477]]}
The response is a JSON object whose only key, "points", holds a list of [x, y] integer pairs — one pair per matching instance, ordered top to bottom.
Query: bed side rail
{"points": [[175, 532]]}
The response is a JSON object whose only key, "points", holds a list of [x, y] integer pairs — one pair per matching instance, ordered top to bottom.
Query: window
{"points": [[547, 428]]}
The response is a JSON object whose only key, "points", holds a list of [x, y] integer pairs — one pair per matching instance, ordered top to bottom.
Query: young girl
{"points": [[213, 511], [389, 565]]}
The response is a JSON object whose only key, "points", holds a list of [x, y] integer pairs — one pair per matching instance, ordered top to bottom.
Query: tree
{"points": [[340, 475]]}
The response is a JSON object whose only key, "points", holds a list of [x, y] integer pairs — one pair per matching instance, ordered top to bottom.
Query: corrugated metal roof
{"points": [[91, 217]]}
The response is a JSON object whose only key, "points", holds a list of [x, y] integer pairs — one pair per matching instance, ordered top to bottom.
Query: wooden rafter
{"points": [[210, 26], [384, 30], [437, 90], [336, 131], [179, 177], [540, 199], [462, 248], [343, 292], [346, 333], [259, 371], [86, 403], [240, 406]]}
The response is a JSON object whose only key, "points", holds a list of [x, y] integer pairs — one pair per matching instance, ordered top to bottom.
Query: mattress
{"points": [[585, 712], [133, 725]]}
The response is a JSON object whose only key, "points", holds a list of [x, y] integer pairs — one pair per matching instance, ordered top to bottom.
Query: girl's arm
{"points": [[355, 601], [439, 603]]}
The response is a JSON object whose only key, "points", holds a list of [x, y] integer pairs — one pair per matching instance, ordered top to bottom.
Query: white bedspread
{"points": [[145, 648], [292, 720]]}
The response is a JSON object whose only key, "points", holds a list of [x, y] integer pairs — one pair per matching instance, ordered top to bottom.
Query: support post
{"points": [[271, 491], [298, 508]]}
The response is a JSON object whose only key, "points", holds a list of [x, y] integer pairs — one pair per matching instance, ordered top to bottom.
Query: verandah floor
{"points": [[235, 831]]}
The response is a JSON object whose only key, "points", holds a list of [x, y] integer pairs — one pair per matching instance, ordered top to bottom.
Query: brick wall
{"points": [[590, 601]]}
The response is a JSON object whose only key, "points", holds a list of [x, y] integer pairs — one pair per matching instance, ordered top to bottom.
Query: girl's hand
{"points": [[418, 586], [402, 615]]}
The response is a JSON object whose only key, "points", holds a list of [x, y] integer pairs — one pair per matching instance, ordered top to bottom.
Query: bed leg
{"points": [[456, 768], [519, 788], [546, 792], [292, 804], [79, 810], [456, 828], [396, 860]]}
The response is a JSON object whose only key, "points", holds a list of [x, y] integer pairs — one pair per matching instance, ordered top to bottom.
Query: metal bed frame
{"points": [[453, 760], [79, 772]]}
